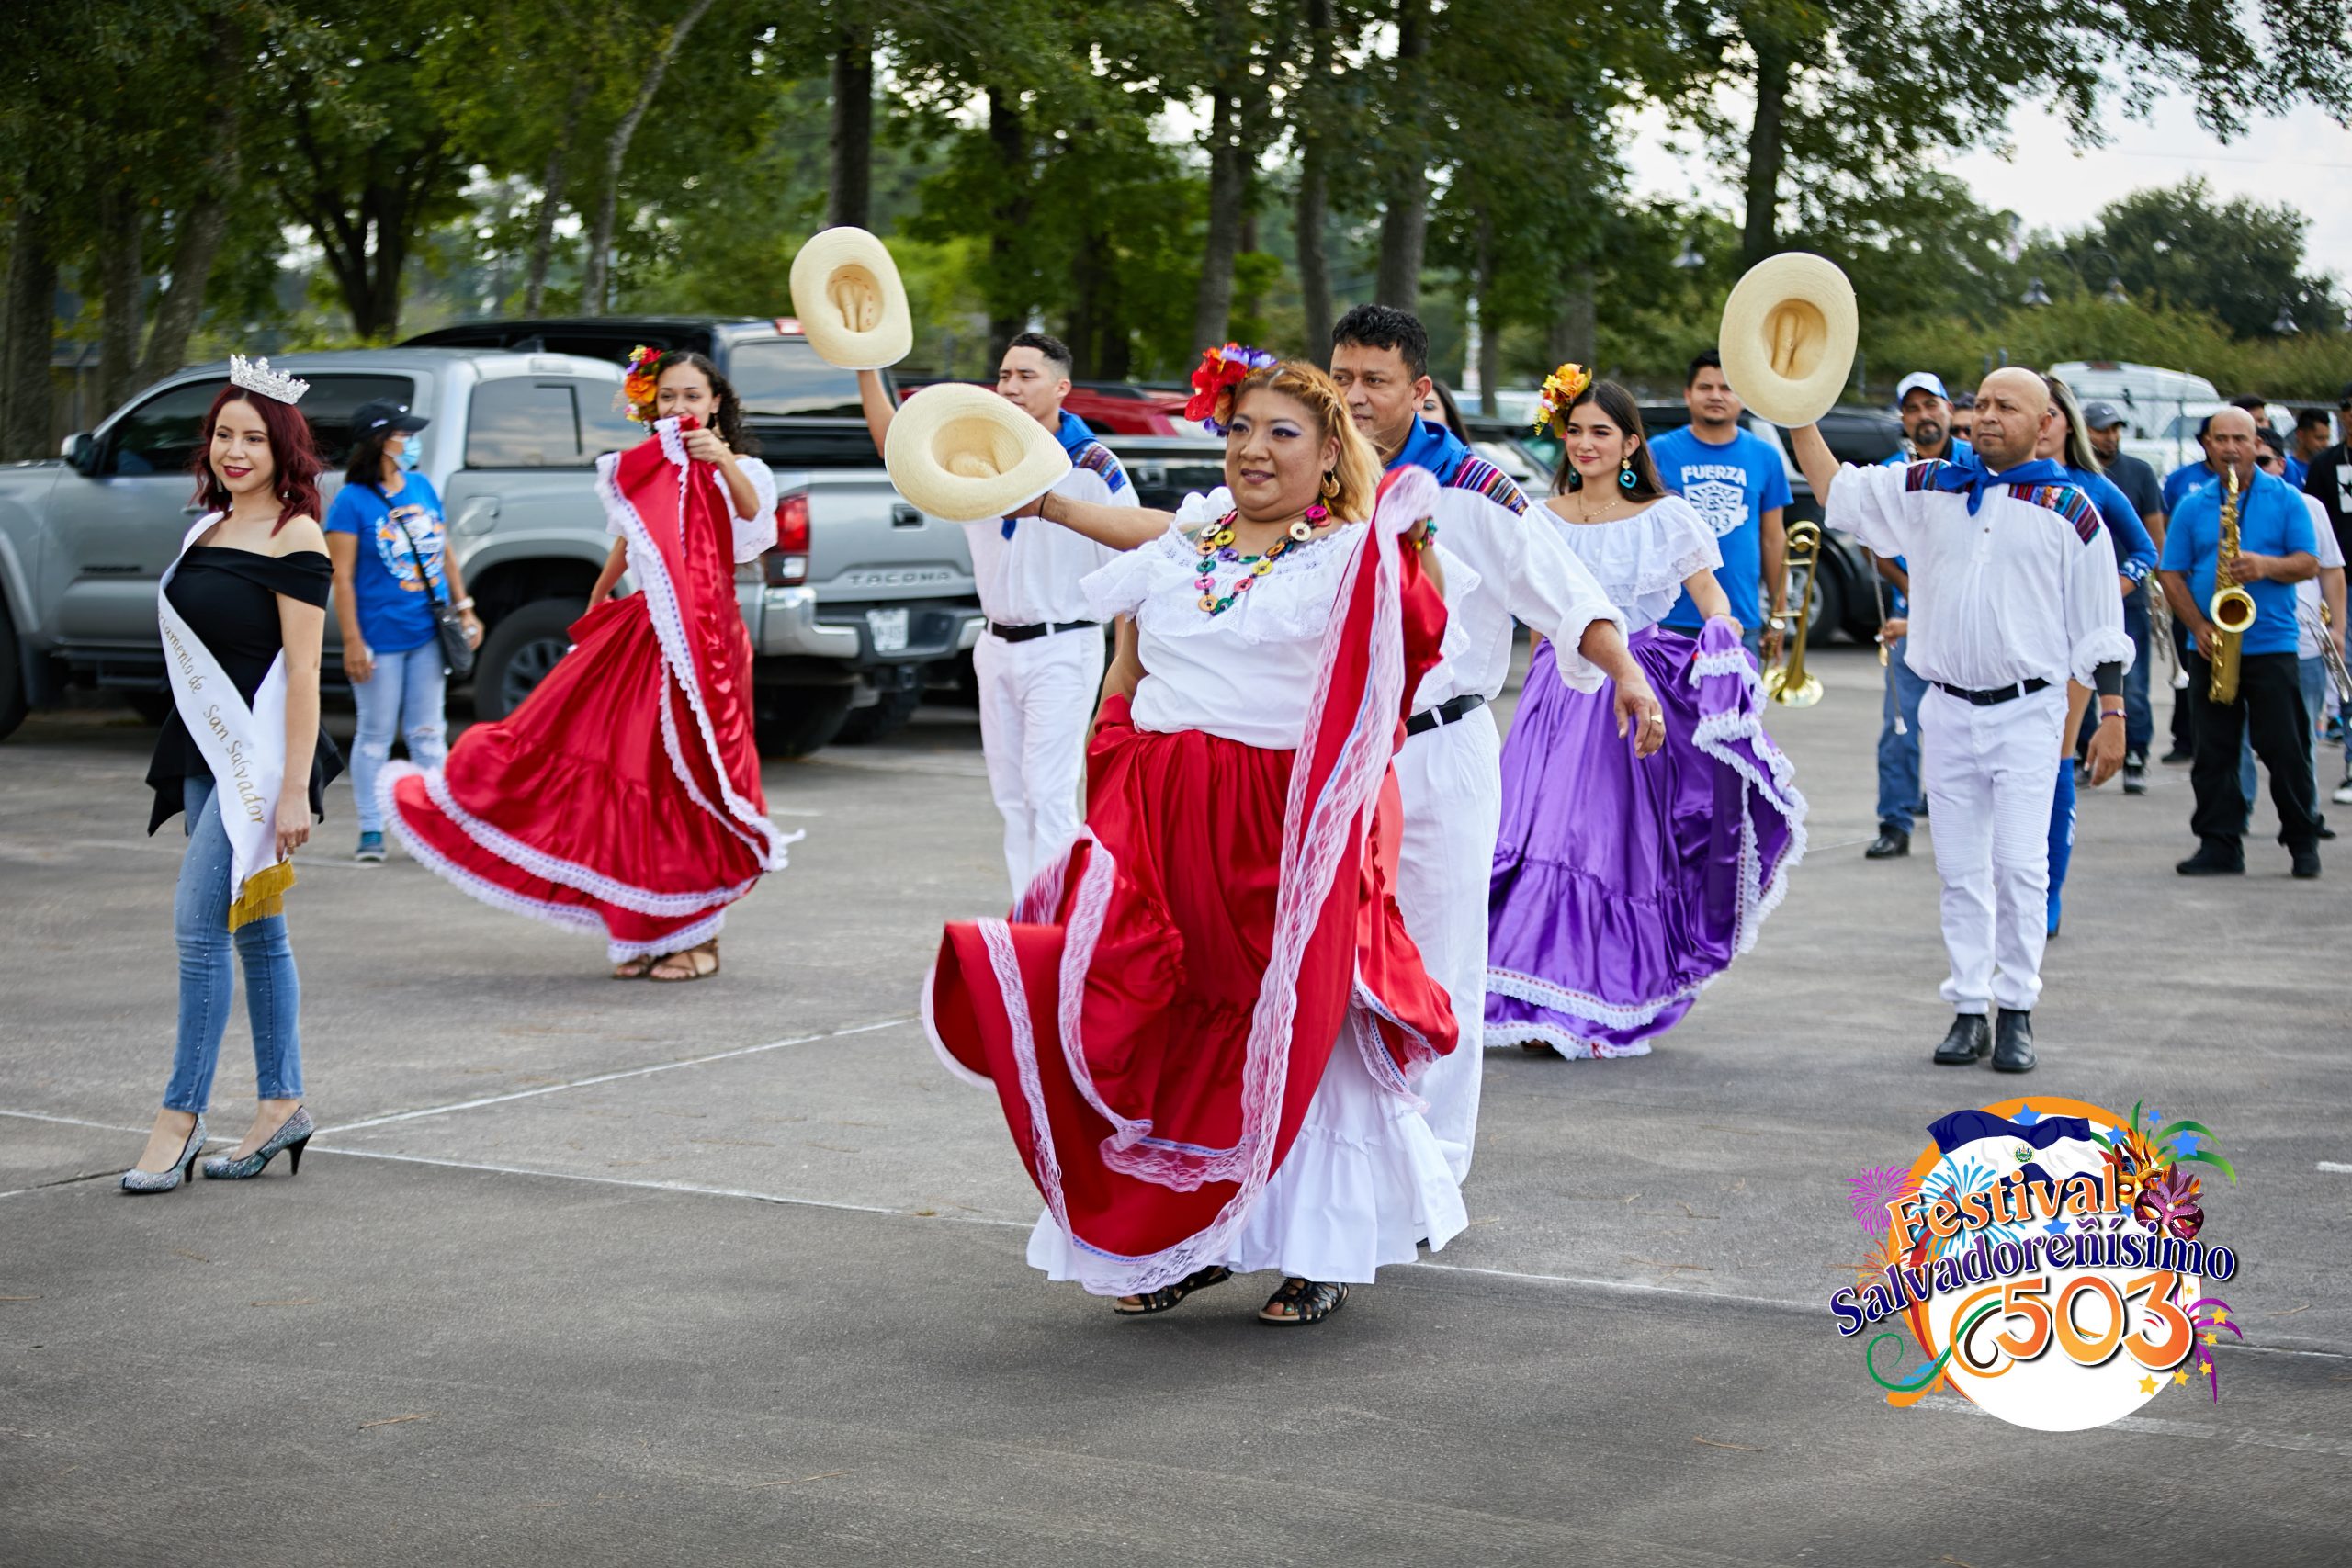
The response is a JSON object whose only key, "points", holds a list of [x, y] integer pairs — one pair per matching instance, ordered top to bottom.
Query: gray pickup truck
{"points": [[860, 593]]}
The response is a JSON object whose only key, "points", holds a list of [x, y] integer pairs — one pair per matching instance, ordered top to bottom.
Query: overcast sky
{"points": [[2303, 159]]}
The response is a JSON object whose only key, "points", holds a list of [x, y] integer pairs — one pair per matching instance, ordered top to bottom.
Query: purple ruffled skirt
{"points": [[1622, 885]]}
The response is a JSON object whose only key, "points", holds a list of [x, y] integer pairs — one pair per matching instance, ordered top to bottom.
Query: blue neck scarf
{"points": [[1074, 434], [1434, 448], [1967, 475]]}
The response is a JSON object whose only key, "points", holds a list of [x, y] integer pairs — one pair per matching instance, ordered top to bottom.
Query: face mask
{"points": [[406, 458]]}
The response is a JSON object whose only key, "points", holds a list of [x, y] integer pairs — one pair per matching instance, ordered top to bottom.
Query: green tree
{"points": [[2240, 261]]}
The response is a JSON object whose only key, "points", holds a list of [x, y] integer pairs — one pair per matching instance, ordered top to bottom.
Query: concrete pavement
{"points": [[588, 1272]]}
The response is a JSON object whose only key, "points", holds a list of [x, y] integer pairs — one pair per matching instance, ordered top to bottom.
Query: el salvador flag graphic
{"points": [[2048, 1149]]}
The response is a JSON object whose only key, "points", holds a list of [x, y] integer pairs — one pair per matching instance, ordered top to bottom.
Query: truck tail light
{"points": [[787, 564]]}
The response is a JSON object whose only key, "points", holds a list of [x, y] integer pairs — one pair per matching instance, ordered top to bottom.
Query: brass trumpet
{"points": [[2231, 609], [1787, 683]]}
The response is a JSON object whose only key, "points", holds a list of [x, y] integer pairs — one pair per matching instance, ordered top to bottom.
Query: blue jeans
{"points": [[403, 695], [1898, 747], [273, 994]]}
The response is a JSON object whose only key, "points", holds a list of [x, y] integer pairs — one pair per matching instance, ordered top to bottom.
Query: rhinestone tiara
{"points": [[255, 376]]}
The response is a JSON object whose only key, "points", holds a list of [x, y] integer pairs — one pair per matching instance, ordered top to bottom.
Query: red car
{"points": [[1112, 408]]}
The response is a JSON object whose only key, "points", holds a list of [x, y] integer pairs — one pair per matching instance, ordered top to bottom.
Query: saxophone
{"points": [[2231, 609]]}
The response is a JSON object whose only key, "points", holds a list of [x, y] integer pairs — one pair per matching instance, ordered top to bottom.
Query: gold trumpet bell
{"points": [[1803, 694]]}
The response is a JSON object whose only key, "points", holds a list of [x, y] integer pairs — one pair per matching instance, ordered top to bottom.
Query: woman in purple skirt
{"points": [[1622, 885]]}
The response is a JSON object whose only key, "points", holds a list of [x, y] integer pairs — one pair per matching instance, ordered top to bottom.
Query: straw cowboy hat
{"points": [[853, 307], [1788, 337], [964, 454]]}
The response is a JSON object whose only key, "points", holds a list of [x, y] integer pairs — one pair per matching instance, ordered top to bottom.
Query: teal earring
{"points": [[1626, 474]]}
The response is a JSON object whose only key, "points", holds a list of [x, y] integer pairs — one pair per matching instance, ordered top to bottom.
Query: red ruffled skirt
{"points": [[1114, 1013]]}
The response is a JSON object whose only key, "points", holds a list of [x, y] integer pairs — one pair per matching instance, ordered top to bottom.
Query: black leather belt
{"points": [[1036, 629], [1997, 695], [1445, 712]]}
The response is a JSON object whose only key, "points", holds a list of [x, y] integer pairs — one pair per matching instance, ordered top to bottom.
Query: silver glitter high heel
{"points": [[291, 1135], [182, 1167]]}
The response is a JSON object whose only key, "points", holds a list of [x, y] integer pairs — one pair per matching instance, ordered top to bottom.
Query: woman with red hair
{"points": [[243, 612]]}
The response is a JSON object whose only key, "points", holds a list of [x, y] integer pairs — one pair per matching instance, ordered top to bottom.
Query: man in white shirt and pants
{"points": [[2012, 594], [1040, 661], [1449, 772]]}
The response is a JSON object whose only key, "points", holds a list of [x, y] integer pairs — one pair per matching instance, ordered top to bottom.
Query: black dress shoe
{"points": [[2176, 756], [2324, 830], [1890, 844], [2214, 861], [2306, 864], [1968, 1040], [2013, 1050]]}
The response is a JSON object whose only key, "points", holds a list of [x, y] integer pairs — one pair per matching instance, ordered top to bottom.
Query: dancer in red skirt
{"points": [[624, 794], [1204, 1024]]}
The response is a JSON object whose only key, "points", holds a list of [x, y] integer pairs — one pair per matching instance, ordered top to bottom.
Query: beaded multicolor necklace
{"points": [[1215, 544]]}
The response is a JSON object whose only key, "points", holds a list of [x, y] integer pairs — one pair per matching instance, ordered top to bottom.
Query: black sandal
{"points": [[1168, 1296], [1307, 1301]]}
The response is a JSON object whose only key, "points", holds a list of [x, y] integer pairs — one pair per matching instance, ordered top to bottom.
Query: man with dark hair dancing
{"points": [[1497, 567], [1040, 661]]}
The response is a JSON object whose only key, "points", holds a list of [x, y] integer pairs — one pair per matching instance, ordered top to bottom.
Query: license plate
{"points": [[889, 629]]}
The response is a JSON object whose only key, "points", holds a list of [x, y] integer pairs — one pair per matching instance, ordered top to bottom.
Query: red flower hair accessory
{"points": [[1222, 370]]}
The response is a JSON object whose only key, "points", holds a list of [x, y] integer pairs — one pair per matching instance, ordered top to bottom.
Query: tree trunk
{"points": [[1764, 153], [1228, 177], [1314, 188], [850, 197], [1405, 222], [205, 223], [121, 229], [596, 283], [535, 289], [1008, 292], [30, 319], [1572, 330]]}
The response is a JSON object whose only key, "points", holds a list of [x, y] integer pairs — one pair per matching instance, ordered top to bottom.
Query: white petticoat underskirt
{"points": [[1364, 1181]]}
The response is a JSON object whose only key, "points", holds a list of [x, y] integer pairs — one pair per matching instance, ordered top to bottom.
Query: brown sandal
{"points": [[692, 963], [634, 968]]}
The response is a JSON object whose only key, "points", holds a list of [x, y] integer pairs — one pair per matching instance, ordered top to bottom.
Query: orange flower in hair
{"points": [[644, 365], [1562, 388]]}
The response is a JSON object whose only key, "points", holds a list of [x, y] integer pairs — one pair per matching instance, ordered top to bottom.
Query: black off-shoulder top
{"points": [[229, 598]]}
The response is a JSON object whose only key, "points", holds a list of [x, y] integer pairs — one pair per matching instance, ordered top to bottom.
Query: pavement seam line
{"points": [[612, 1076]]}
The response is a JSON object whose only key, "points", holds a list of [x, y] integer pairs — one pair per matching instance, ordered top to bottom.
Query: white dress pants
{"points": [[1036, 698], [1989, 774], [1452, 782]]}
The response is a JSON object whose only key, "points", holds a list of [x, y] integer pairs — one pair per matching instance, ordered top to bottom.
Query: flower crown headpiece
{"points": [[643, 366], [1222, 370], [255, 376], [1562, 388]]}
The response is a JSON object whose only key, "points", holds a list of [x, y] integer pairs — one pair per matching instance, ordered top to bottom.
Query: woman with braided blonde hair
{"points": [[1622, 884], [1205, 1023]]}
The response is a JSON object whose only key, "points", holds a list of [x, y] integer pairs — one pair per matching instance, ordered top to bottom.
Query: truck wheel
{"points": [[518, 653], [13, 706], [884, 717], [793, 721]]}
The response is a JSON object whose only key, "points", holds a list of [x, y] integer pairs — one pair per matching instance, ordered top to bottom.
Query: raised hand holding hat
{"points": [[852, 309], [1788, 337], [964, 454]]}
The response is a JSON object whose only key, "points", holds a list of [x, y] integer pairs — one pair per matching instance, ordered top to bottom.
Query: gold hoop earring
{"points": [[1330, 485]]}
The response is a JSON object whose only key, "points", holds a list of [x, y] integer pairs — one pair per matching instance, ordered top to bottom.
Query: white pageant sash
{"points": [[245, 746]]}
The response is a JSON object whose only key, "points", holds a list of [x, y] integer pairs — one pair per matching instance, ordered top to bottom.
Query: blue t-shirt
{"points": [[2184, 483], [1732, 486], [2272, 521], [395, 611]]}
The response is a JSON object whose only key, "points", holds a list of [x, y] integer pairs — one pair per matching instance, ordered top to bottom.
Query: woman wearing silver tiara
{"points": [[242, 611], [1622, 884]]}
